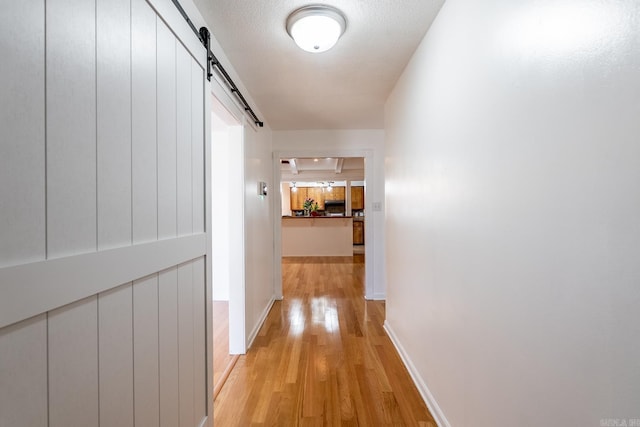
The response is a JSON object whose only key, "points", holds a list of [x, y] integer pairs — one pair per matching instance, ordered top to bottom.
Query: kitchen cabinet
{"points": [[336, 193], [317, 194], [297, 198], [357, 198], [358, 232]]}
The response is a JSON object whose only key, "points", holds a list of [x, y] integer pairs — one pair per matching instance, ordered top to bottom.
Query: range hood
{"points": [[334, 207]]}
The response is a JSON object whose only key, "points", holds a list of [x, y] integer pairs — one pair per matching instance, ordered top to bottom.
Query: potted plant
{"points": [[310, 207]]}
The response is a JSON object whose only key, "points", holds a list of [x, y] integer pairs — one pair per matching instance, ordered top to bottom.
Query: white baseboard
{"points": [[375, 297], [263, 317], [428, 398]]}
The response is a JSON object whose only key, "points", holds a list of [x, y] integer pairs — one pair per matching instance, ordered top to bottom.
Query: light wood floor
{"points": [[322, 358], [222, 361]]}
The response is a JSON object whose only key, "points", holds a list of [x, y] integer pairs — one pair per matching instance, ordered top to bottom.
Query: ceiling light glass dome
{"points": [[316, 28]]}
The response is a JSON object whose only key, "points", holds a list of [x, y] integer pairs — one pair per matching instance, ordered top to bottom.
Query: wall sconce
{"points": [[293, 187]]}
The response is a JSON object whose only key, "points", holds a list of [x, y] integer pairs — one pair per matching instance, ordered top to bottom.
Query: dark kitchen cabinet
{"points": [[357, 198], [358, 232]]}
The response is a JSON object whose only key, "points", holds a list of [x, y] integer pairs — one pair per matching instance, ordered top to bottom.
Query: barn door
{"points": [[103, 248]]}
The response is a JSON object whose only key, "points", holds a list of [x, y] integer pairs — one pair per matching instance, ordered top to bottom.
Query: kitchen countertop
{"points": [[316, 217]]}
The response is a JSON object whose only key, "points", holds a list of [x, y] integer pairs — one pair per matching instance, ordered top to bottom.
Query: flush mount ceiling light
{"points": [[316, 28]]}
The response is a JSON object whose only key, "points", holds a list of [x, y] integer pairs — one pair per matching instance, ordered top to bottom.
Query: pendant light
{"points": [[316, 28]]}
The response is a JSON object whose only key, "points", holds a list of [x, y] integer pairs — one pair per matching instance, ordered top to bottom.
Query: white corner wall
{"points": [[367, 143], [254, 159], [226, 184], [285, 198], [220, 218], [258, 231], [513, 276], [256, 277]]}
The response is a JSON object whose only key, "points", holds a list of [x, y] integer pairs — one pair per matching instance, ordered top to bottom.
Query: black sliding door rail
{"points": [[205, 38]]}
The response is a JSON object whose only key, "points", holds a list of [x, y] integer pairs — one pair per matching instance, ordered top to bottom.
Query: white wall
{"points": [[367, 143], [254, 152], [512, 167], [226, 178], [285, 198], [258, 214], [220, 215], [102, 216], [252, 280]]}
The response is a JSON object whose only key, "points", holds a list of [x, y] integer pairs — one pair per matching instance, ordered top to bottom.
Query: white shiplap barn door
{"points": [[103, 299]]}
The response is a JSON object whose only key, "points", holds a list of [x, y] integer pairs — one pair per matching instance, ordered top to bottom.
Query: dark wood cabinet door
{"points": [[317, 194], [297, 198], [357, 198], [358, 232]]}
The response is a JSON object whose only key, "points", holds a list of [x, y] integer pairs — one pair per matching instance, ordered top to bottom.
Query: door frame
{"points": [[370, 246], [237, 292]]}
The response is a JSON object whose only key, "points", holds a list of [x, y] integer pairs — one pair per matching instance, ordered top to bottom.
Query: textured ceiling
{"points": [[343, 88]]}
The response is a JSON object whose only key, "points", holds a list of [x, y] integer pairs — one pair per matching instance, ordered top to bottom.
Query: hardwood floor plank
{"points": [[322, 358], [223, 362]]}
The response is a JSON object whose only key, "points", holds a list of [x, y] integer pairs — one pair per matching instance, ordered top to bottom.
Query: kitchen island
{"points": [[317, 236]]}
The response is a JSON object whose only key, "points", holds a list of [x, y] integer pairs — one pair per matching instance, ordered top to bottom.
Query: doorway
{"points": [[289, 167], [227, 177]]}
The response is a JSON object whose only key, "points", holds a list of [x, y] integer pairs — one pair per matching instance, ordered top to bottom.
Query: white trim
{"points": [[168, 13], [223, 94], [277, 226], [237, 244], [237, 252], [37, 287], [263, 318], [426, 394], [208, 421]]}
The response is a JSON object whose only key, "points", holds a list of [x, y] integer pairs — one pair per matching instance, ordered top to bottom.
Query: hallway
{"points": [[321, 358]]}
